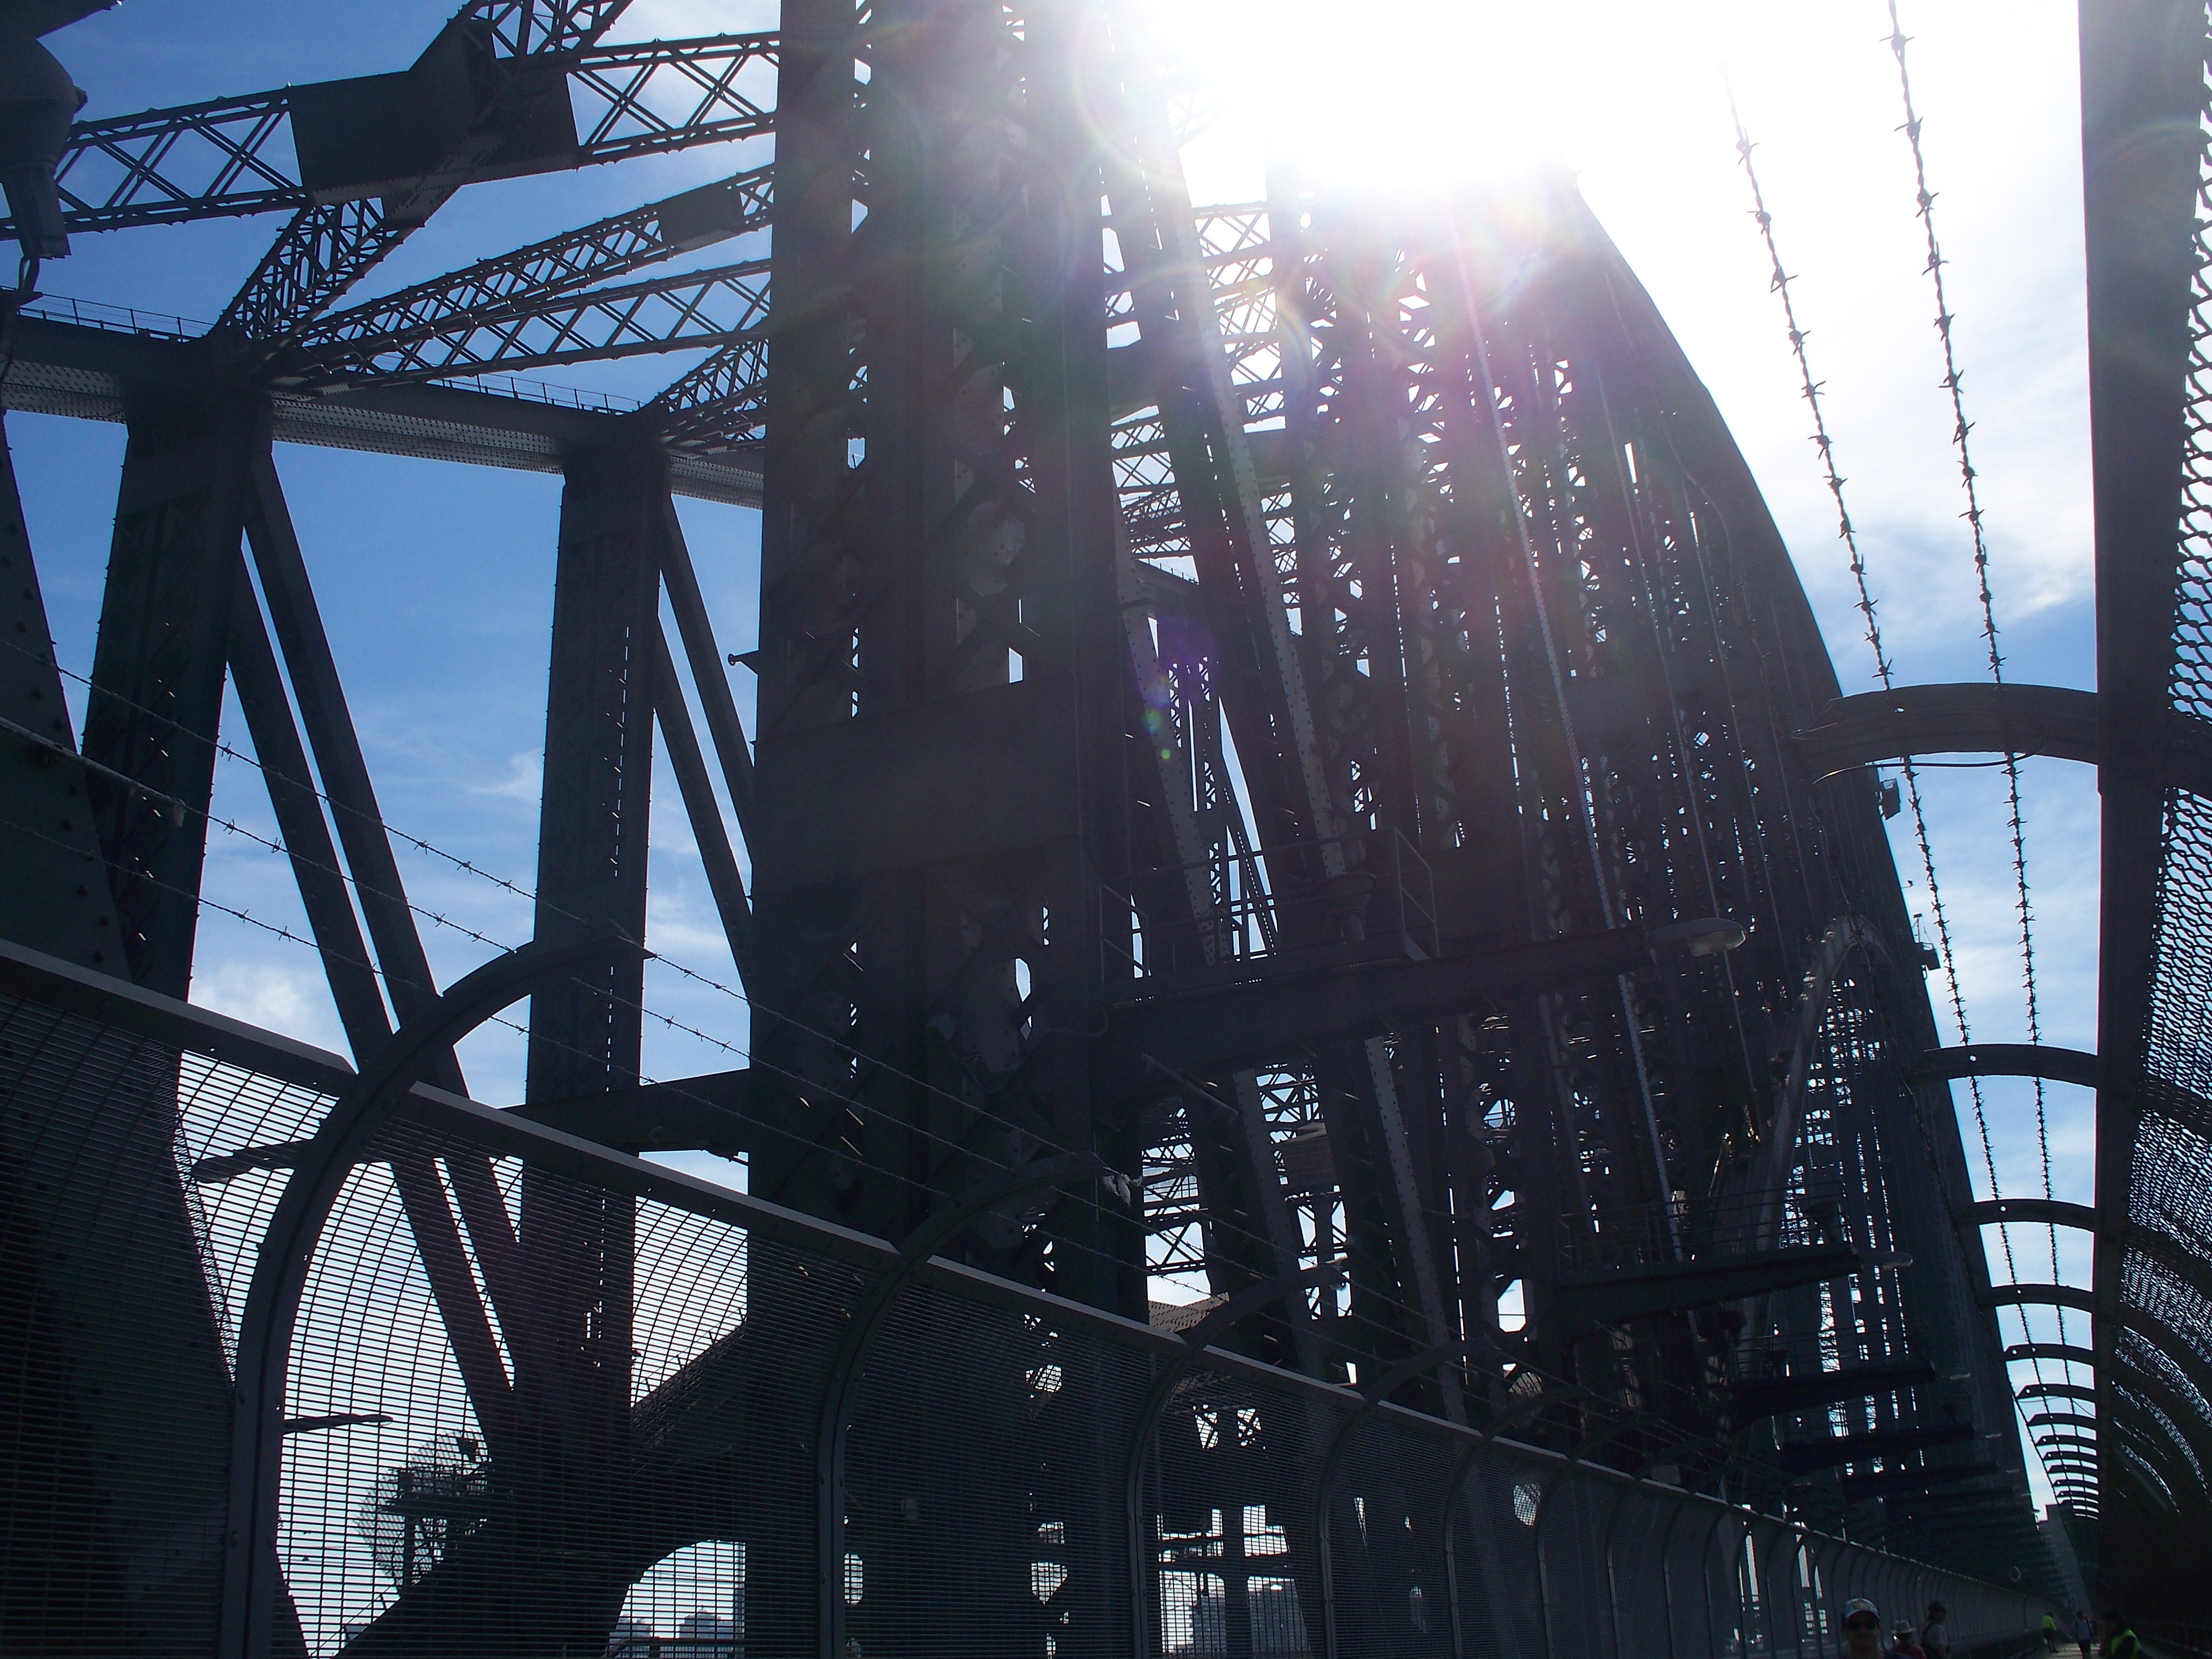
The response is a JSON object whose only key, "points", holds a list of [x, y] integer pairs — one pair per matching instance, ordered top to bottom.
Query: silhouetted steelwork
{"points": [[1296, 705]]}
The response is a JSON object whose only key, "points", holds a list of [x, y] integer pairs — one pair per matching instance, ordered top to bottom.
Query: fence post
{"points": [[940, 1228], [1196, 1341], [1369, 1397], [1544, 1498], [1667, 1569], [1705, 1572], [251, 1573], [1612, 1575], [1828, 1593]]}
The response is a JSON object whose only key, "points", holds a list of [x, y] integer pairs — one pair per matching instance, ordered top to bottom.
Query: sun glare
{"points": [[1394, 96]]}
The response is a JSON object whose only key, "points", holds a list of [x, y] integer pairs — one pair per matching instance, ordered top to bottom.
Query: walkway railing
{"points": [[669, 1492]]}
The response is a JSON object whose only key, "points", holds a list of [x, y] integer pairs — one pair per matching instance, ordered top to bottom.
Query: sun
{"points": [[1395, 97]]}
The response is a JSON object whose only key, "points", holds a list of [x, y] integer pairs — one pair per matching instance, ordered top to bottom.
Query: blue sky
{"points": [[434, 580]]}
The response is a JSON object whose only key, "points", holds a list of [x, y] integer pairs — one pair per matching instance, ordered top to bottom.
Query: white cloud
{"points": [[524, 780], [292, 998]]}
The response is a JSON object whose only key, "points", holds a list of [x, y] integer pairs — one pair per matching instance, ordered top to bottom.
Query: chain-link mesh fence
{"points": [[541, 1398]]}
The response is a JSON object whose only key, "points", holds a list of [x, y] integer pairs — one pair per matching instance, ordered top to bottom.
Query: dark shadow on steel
{"points": [[1943, 719], [2005, 1060], [2044, 1211], [941, 1228], [1195, 1341], [1371, 1396], [1527, 1411], [1581, 1448], [1642, 1473], [251, 1574]]}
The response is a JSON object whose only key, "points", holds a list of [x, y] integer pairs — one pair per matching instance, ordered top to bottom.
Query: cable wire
{"points": [[1925, 201], [1884, 669], [952, 1149]]}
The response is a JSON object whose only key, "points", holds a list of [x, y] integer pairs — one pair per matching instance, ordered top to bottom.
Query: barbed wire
{"points": [[1924, 199], [1884, 670], [222, 747], [951, 1150]]}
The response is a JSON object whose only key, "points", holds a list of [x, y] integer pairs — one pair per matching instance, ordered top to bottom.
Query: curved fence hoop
{"points": [[938, 1229], [1196, 1341], [1370, 1397], [1525, 1411], [1582, 1449], [252, 1576], [1666, 1578]]}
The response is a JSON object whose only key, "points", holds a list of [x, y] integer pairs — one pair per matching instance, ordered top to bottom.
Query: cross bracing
{"points": [[1277, 711]]}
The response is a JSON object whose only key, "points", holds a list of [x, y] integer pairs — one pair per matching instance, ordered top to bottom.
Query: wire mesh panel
{"points": [[118, 1284], [542, 1398], [487, 1474], [1502, 1492], [983, 1496], [1228, 1515], [1635, 1539], [1778, 1590], [1577, 1596], [1734, 1617]]}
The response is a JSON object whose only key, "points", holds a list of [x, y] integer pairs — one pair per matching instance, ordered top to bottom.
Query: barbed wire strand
{"points": [[1924, 199], [1883, 668], [1885, 672], [439, 918], [952, 1149]]}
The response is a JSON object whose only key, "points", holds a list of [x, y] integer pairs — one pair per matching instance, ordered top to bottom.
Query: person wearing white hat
{"points": [[1861, 1629]]}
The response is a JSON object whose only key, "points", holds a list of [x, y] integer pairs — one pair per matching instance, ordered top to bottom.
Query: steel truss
{"points": [[1251, 699]]}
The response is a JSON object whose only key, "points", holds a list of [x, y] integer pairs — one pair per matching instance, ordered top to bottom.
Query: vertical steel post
{"points": [[157, 674], [585, 1032]]}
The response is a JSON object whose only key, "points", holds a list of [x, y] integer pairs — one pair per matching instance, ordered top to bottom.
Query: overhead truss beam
{"points": [[227, 157]]}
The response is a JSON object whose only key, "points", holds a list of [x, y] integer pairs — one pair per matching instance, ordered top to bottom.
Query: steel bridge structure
{"points": [[1289, 753]]}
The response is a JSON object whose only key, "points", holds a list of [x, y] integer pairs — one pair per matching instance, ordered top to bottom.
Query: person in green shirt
{"points": [[2051, 1632], [2119, 1641]]}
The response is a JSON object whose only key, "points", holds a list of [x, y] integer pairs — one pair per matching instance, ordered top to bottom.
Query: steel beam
{"points": [[2142, 100], [225, 157], [381, 181], [490, 292], [541, 329], [95, 372], [709, 670], [157, 674], [1976, 718], [700, 807], [377, 883], [58, 899], [1279, 1012], [586, 1029], [2007, 1059], [1992, 1211], [1620, 1294], [2054, 1296], [2051, 1350], [2057, 1391], [1783, 1396], [2074, 1419], [1806, 1457]]}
